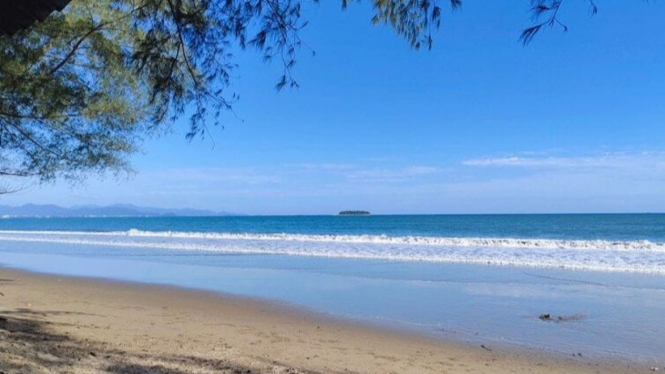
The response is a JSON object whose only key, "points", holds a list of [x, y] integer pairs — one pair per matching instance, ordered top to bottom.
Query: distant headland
{"points": [[116, 210], [354, 213]]}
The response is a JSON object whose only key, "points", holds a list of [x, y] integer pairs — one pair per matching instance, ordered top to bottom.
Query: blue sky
{"points": [[480, 124]]}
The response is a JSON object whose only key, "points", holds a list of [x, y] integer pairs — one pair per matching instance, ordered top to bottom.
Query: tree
{"points": [[79, 91]]}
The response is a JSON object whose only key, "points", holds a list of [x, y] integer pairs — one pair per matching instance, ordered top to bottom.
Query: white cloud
{"points": [[646, 160], [329, 166], [422, 170], [359, 173], [396, 174], [241, 176], [519, 183]]}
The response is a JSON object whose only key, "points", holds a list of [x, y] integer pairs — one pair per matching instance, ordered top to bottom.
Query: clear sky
{"points": [[572, 123]]}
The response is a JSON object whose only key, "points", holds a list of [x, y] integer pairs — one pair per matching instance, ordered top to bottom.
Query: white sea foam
{"points": [[637, 245], [602, 255]]}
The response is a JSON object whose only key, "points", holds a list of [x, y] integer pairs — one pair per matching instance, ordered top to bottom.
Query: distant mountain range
{"points": [[117, 210]]}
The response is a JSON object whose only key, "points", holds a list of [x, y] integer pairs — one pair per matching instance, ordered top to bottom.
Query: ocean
{"points": [[481, 279]]}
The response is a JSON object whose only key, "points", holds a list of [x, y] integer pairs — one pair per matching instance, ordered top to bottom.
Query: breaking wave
{"points": [[601, 255]]}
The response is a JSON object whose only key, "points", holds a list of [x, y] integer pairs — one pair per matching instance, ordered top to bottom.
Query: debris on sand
{"points": [[547, 317]]}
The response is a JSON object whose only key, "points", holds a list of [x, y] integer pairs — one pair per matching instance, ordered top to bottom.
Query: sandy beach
{"points": [[56, 324]]}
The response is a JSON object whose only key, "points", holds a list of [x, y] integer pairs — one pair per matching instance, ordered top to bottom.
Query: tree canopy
{"points": [[80, 90]]}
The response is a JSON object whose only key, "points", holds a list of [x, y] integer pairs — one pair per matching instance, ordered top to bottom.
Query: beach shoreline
{"points": [[86, 325]]}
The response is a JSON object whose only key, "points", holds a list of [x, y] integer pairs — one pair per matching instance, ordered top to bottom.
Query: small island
{"points": [[354, 213]]}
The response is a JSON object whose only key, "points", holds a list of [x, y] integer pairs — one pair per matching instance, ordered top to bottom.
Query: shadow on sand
{"points": [[29, 345]]}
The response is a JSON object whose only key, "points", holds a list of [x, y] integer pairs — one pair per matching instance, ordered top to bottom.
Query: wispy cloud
{"points": [[649, 160], [325, 166], [362, 173], [394, 174], [240, 176], [533, 182]]}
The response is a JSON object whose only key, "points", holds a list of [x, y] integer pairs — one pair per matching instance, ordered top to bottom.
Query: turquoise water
{"points": [[550, 226], [479, 279]]}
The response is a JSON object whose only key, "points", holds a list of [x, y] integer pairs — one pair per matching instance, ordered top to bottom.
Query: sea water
{"points": [[483, 279]]}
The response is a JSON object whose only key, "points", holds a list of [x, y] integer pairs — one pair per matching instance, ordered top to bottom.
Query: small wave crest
{"points": [[613, 245], [604, 255]]}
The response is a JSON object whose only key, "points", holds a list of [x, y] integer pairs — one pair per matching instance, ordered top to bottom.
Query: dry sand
{"points": [[56, 324]]}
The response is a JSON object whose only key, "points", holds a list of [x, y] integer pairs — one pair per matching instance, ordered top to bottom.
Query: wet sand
{"points": [[55, 324]]}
